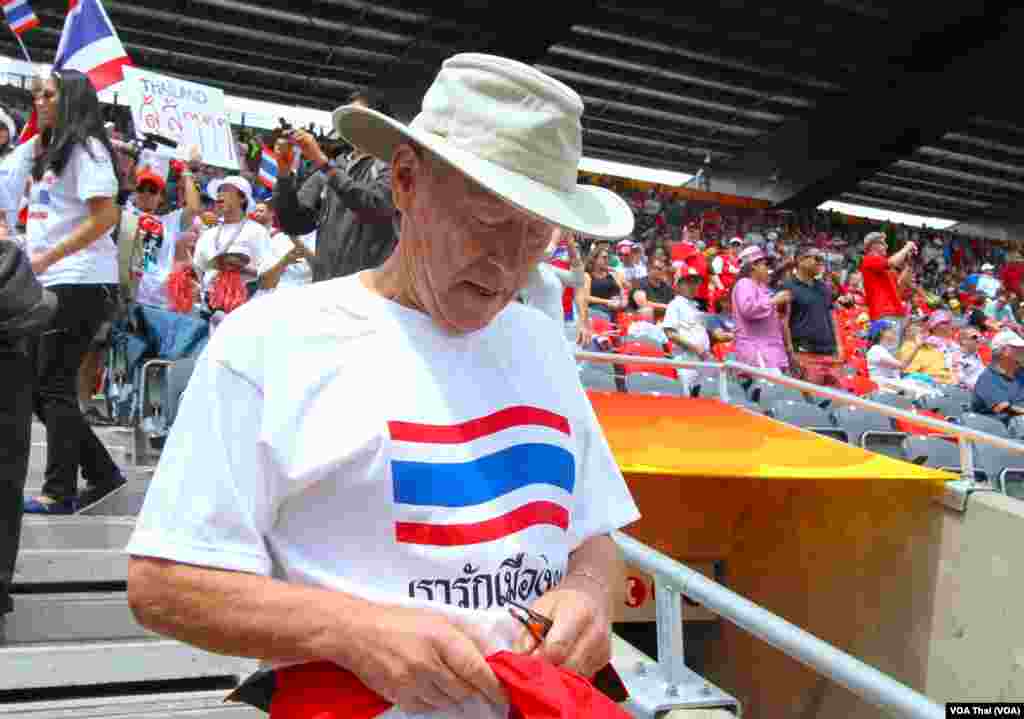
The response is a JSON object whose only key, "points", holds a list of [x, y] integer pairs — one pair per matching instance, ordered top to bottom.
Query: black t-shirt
{"points": [[662, 294], [810, 319]]}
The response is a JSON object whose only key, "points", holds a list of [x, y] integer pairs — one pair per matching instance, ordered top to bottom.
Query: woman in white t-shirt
{"points": [[72, 210], [884, 368]]}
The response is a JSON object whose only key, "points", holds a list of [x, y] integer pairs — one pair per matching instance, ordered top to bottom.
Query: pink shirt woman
{"points": [[759, 339]]}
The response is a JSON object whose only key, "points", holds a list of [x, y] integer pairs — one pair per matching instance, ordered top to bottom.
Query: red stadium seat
{"points": [[601, 326], [642, 349]]}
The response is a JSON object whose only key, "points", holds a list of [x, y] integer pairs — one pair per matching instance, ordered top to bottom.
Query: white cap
{"points": [[239, 183], [987, 267], [1006, 338]]}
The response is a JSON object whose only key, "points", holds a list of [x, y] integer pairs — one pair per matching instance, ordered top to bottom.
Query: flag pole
{"points": [[21, 43]]}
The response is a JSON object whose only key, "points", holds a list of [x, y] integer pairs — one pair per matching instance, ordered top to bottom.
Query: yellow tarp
{"points": [[707, 438]]}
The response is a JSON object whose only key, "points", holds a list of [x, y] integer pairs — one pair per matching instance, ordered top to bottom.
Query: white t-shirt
{"points": [[57, 205], [243, 238], [157, 261], [296, 274], [634, 274], [989, 285], [545, 286], [683, 316], [876, 370], [400, 464]]}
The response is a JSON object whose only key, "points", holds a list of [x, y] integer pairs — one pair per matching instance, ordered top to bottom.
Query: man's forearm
{"points": [[598, 561], [241, 614]]}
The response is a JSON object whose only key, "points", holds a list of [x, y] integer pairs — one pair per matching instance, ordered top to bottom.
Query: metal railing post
{"points": [[723, 384], [966, 460], [669, 621], [862, 679]]}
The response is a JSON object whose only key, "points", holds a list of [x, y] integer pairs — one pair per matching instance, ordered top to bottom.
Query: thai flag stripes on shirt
{"points": [[481, 480]]}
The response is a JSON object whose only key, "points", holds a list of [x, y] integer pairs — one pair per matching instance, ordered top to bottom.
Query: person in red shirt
{"points": [[1013, 273], [881, 288]]}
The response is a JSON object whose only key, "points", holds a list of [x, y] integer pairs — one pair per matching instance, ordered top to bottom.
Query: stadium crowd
{"points": [[818, 296]]}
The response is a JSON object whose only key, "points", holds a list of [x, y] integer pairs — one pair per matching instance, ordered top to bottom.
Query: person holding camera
{"points": [[348, 203], [881, 283]]}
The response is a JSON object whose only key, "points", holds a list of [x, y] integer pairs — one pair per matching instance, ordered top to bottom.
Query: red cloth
{"points": [[880, 288], [227, 292], [536, 689]]}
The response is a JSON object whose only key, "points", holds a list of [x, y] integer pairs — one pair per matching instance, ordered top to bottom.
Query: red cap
{"points": [[147, 175]]}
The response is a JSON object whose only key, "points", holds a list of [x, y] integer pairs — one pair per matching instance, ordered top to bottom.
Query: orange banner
{"points": [[707, 438]]}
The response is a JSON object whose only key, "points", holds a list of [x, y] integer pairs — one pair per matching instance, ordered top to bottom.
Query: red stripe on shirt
{"points": [[480, 427], [452, 535]]}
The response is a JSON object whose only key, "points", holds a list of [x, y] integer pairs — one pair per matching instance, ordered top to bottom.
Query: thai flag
{"points": [[19, 16], [89, 43], [268, 167], [482, 480]]}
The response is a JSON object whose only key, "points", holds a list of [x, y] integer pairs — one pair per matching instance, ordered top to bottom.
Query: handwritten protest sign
{"points": [[186, 112]]}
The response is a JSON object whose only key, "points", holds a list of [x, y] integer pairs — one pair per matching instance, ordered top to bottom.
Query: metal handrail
{"points": [[963, 434], [863, 680]]}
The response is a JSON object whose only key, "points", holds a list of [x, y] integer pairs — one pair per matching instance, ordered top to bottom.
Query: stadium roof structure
{"points": [[889, 104]]}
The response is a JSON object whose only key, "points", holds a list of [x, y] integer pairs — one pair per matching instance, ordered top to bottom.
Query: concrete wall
{"points": [[977, 646]]}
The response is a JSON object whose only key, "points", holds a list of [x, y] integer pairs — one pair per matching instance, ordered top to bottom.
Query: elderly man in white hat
{"points": [[237, 242], [999, 390], [366, 471]]}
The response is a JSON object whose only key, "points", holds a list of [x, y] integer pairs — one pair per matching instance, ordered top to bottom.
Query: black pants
{"points": [[16, 381], [70, 441]]}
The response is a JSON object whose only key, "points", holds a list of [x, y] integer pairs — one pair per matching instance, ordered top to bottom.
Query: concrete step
{"points": [[76, 532], [49, 566], [82, 617], [84, 664], [187, 705]]}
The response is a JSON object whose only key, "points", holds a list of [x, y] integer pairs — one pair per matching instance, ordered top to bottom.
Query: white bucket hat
{"points": [[510, 128], [239, 183]]}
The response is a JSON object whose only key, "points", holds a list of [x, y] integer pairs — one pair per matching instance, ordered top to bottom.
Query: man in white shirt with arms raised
{"points": [[365, 470]]}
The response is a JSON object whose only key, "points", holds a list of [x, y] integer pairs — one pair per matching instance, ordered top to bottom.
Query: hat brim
{"points": [[214, 187], [592, 211]]}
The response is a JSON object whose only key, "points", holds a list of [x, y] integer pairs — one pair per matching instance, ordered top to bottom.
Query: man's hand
{"points": [[309, 147], [284, 152], [301, 251], [40, 263], [583, 335], [1001, 407], [580, 638], [420, 660]]}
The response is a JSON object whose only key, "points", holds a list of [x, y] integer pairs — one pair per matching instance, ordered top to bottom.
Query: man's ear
{"points": [[405, 171]]}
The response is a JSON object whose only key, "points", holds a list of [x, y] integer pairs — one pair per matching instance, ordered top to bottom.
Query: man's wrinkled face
{"points": [[464, 252]]}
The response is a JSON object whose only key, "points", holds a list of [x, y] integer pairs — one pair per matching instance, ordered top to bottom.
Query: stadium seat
{"points": [[601, 326], [632, 339], [645, 349], [178, 376], [599, 380], [649, 383], [709, 387], [765, 393], [964, 396], [891, 399], [948, 407], [806, 416], [984, 423], [870, 430], [936, 452], [994, 462]]}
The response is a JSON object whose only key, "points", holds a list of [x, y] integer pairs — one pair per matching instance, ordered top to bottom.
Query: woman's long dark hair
{"points": [[78, 119]]}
